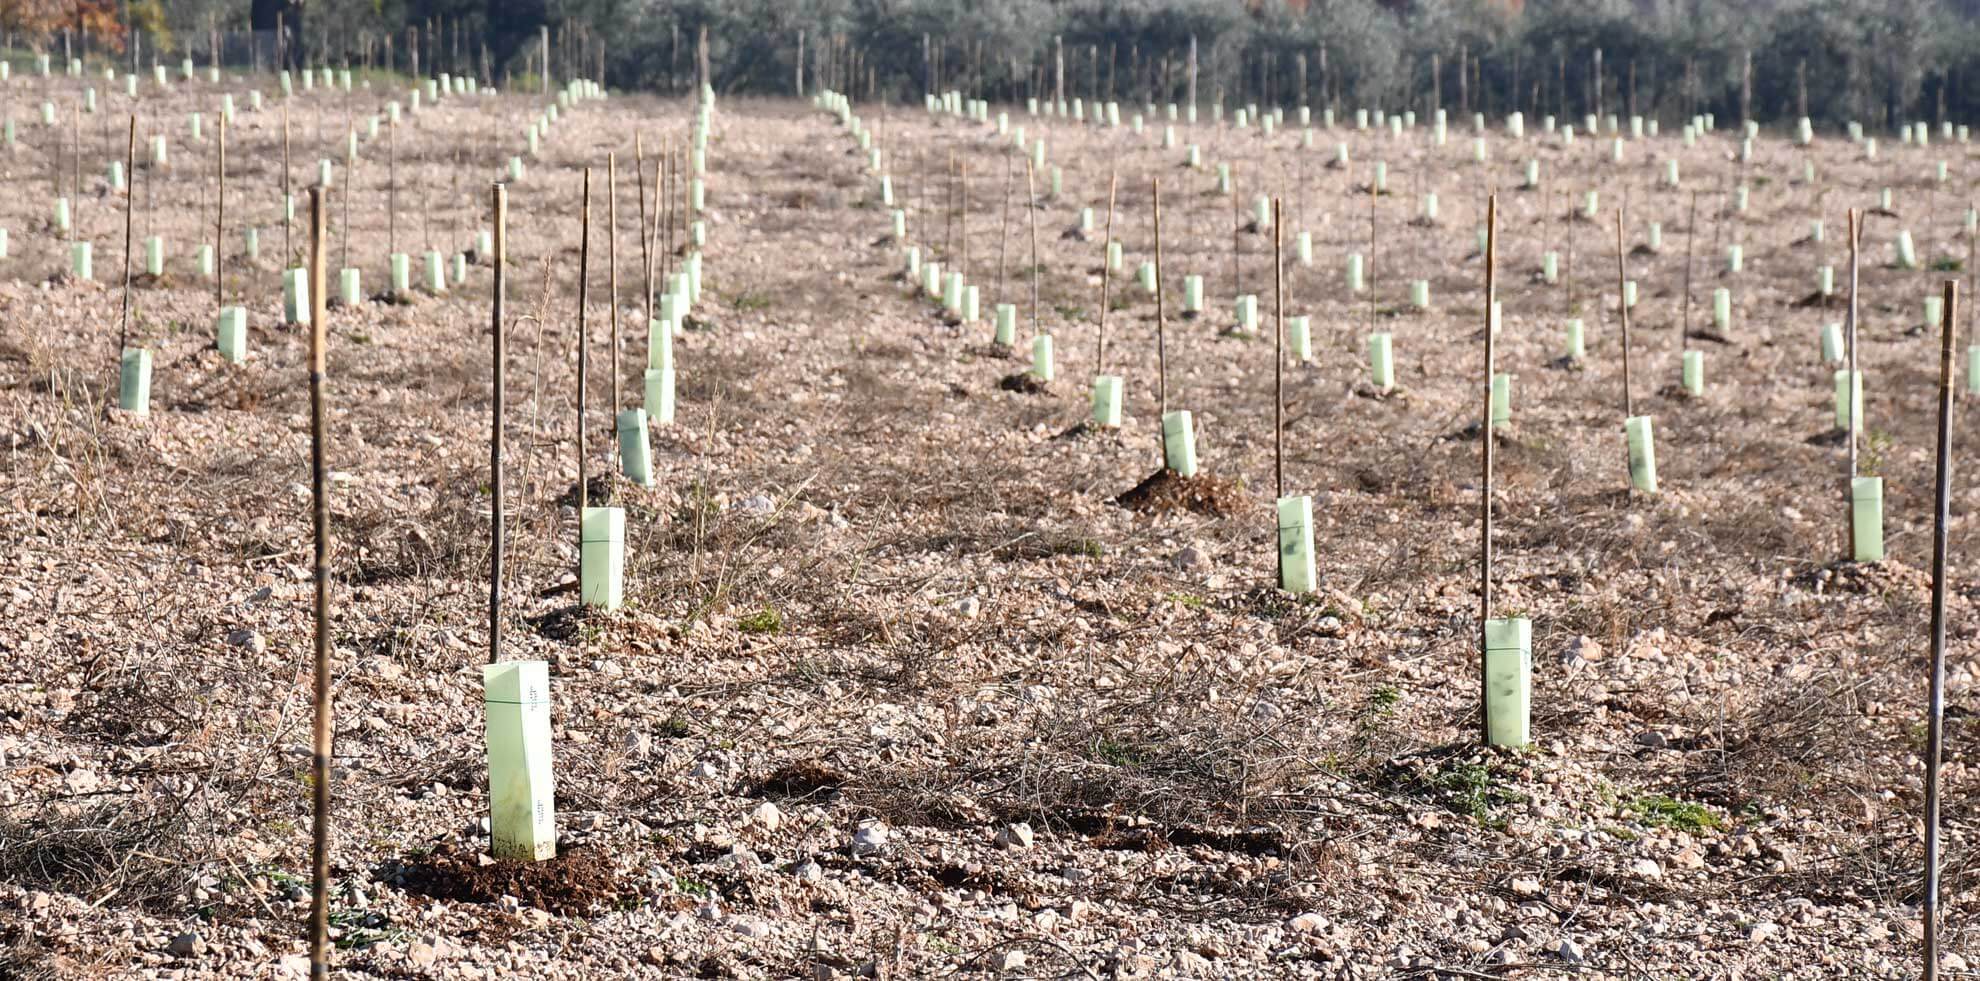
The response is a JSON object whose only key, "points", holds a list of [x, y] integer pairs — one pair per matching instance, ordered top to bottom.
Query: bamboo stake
{"points": [[75, 164], [1299, 181], [55, 187], [392, 188], [288, 193], [1373, 194], [499, 196], [150, 197], [130, 204], [1031, 206], [663, 211], [687, 211], [425, 217], [220, 218], [1719, 224], [344, 226], [1004, 231], [1690, 232], [1855, 232], [645, 239], [612, 260], [1237, 272], [1568, 272], [1106, 276], [584, 299], [1622, 303], [1161, 326], [1278, 371], [1485, 455], [1936, 699], [319, 905]]}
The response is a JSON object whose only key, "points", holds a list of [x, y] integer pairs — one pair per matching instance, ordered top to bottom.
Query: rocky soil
{"points": [[899, 688]]}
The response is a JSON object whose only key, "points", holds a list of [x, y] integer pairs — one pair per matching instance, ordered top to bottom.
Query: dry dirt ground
{"points": [[898, 689]]}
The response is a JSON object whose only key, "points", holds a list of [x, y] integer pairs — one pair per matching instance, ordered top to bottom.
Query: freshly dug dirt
{"points": [[1166, 491], [578, 881]]}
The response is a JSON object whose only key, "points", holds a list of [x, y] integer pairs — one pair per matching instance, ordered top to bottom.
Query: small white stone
{"points": [[767, 816], [1016, 837], [870, 839], [1570, 951], [1007, 960]]}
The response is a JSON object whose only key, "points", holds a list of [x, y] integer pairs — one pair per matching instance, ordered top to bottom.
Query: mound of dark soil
{"points": [[1024, 383], [1166, 491], [574, 883]]}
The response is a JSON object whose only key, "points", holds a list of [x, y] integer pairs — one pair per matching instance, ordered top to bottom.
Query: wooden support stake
{"points": [[75, 163], [392, 188], [1374, 192], [130, 204], [1031, 206], [219, 217], [344, 226], [1690, 229], [1854, 230], [1004, 232], [645, 238], [612, 260], [1237, 272], [1567, 272], [1106, 276], [584, 300], [1622, 304], [1161, 325], [498, 354], [1278, 370], [1485, 456], [1936, 699], [321, 729]]}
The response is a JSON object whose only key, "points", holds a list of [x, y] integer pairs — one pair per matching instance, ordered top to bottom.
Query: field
{"points": [[900, 687]]}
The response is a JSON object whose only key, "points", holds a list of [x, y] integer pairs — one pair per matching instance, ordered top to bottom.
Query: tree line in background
{"points": [[1878, 61]]}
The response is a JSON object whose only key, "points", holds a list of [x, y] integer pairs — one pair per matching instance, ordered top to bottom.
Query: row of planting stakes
{"points": [[231, 322], [1692, 365], [1638, 430], [1178, 436], [601, 546], [604, 595], [517, 694], [1504, 716]]}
